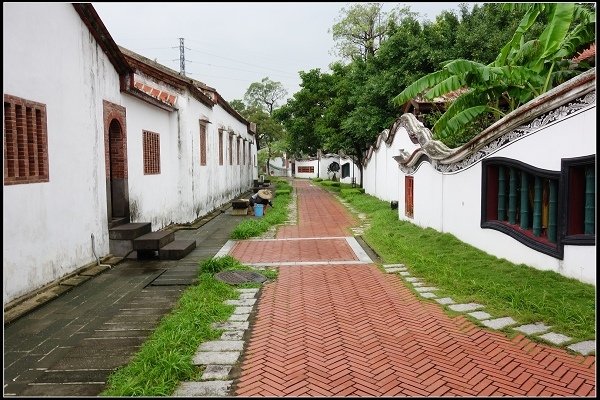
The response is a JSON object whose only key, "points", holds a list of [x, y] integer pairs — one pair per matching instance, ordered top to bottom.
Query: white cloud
{"points": [[230, 45]]}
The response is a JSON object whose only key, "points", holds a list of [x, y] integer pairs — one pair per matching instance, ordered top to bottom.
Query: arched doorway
{"points": [[117, 169]]}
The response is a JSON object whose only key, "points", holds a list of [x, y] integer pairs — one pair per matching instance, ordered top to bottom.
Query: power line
{"points": [[241, 62]]}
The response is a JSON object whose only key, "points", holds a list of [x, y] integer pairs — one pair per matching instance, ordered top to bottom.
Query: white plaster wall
{"points": [[71, 77], [574, 137], [570, 138], [307, 163], [324, 163], [354, 171], [387, 171], [369, 174], [382, 174], [231, 180], [152, 198], [428, 198], [457, 208]]}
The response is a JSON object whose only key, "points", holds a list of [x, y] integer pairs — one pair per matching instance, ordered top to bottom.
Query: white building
{"points": [[86, 147], [327, 166], [523, 189]]}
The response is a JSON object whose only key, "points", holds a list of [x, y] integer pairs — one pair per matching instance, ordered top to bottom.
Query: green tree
{"points": [[362, 28], [521, 71], [265, 94], [257, 107]]}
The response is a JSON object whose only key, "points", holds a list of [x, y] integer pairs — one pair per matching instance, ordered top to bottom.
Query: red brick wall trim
{"points": [[117, 113], [25, 141]]}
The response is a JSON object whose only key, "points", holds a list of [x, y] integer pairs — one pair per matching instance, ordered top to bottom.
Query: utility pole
{"points": [[181, 57]]}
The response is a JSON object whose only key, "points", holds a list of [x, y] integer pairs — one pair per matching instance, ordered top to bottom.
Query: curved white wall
{"points": [[71, 77], [451, 202]]}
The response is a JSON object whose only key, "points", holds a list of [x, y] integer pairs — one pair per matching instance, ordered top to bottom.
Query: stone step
{"points": [[240, 204], [129, 231], [153, 240], [176, 250]]}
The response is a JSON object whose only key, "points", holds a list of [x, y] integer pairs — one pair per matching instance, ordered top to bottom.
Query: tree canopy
{"points": [[265, 94]]}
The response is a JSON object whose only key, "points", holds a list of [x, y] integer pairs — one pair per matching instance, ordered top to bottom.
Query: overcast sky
{"points": [[230, 45]]}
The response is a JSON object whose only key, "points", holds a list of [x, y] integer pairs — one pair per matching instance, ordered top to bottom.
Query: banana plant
{"points": [[521, 71]]}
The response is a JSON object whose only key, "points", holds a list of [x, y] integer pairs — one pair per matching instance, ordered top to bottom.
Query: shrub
{"points": [[214, 265]]}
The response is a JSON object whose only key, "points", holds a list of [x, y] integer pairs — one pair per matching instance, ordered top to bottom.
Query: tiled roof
{"points": [[590, 52], [163, 96]]}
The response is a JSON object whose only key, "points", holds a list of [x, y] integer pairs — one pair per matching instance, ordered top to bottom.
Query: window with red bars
{"points": [[25, 141], [202, 143], [220, 147], [230, 150], [249, 152], [151, 153], [309, 169], [408, 196]]}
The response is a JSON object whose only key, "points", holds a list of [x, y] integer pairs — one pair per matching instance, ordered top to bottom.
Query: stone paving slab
{"points": [[394, 266], [95, 270], [393, 270], [404, 273], [412, 279], [76, 280], [418, 284], [426, 289], [248, 290], [247, 295], [428, 295], [445, 300], [243, 302], [465, 307], [242, 310], [480, 315], [239, 317], [499, 323], [231, 326], [532, 329], [232, 335], [555, 338], [222, 345], [585, 348], [216, 357], [220, 372], [203, 389]]}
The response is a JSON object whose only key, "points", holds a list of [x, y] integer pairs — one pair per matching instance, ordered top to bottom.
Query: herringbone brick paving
{"points": [[294, 250], [343, 330]]}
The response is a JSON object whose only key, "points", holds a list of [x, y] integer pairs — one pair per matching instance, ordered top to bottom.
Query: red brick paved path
{"points": [[351, 330]]}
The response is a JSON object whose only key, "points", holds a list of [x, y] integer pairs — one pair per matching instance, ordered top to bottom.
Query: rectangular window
{"points": [[25, 141], [202, 143], [220, 147], [230, 149], [249, 152], [151, 153], [306, 170], [409, 186], [580, 198], [542, 209]]}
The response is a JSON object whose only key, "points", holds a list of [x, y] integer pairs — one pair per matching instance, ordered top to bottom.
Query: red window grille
{"points": [[25, 141], [151, 153], [408, 196]]}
